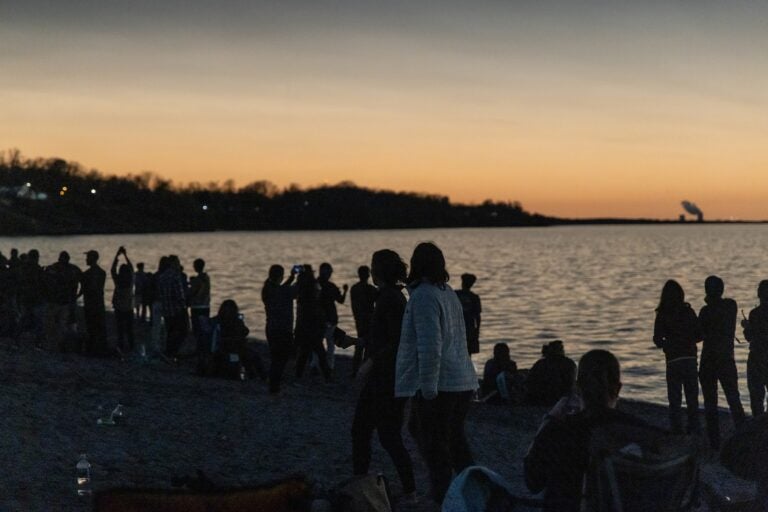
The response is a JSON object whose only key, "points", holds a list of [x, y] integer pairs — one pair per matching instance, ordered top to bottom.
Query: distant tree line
{"points": [[71, 199]]}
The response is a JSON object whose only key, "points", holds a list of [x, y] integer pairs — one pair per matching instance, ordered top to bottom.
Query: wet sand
{"points": [[176, 423]]}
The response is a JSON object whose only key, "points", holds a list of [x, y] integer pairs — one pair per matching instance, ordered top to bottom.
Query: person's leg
{"points": [[39, 314], [120, 329], [129, 329], [101, 332], [172, 338], [331, 346], [319, 351], [279, 353], [301, 356], [708, 379], [729, 380], [755, 385], [691, 387], [675, 397], [433, 419], [363, 425], [389, 426], [461, 455]]}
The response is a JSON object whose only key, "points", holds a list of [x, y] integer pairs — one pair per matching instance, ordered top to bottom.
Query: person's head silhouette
{"points": [[64, 257], [92, 258], [428, 264], [199, 265], [388, 268], [325, 271], [364, 273], [276, 274], [467, 281], [714, 287], [672, 297], [599, 379]]}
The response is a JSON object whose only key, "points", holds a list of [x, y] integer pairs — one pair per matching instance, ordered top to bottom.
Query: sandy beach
{"points": [[176, 423]]}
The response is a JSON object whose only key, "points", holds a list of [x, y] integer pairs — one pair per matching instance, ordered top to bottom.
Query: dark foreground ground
{"points": [[176, 423]]}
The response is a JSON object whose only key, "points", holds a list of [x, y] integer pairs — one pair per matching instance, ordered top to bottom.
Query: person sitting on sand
{"points": [[229, 345], [552, 377], [501, 381], [557, 460]]}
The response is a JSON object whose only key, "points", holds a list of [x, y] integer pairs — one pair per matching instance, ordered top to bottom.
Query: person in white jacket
{"points": [[433, 366]]}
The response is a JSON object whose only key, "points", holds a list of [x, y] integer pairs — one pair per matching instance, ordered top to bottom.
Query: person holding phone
{"points": [[278, 296]]}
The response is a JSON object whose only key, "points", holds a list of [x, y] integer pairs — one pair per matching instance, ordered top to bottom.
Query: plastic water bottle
{"points": [[242, 372], [83, 470]]}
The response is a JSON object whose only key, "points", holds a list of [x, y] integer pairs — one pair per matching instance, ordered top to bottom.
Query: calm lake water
{"points": [[592, 286]]}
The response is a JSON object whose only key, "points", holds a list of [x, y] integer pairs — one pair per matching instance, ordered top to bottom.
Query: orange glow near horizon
{"points": [[572, 119]]}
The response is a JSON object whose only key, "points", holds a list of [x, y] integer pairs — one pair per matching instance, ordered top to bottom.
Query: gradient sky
{"points": [[578, 108]]}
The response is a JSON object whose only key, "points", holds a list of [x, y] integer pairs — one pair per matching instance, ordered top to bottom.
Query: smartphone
{"points": [[297, 269]]}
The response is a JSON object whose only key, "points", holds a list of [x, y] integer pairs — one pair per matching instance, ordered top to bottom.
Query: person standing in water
{"points": [[718, 328]]}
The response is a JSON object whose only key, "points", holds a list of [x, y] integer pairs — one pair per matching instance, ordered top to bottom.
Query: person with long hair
{"points": [[310, 323], [677, 331], [229, 345], [433, 365], [377, 407], [559, 455]]}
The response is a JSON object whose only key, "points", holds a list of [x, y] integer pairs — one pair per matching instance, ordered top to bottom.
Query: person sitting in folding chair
{"points": [[559, 457]]}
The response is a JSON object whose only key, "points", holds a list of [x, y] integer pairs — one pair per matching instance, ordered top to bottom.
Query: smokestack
{"points": [[693, 210]]}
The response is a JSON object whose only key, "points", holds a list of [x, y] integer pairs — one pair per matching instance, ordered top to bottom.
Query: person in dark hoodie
{"points": [[718, 328], [677, 331], [756, 333], [552, 377], [378, 408]]}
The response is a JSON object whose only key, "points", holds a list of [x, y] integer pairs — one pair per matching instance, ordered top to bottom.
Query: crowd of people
{"points": [[413, 349]]}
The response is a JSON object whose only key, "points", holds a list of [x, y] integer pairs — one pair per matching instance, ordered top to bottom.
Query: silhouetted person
{"points": [[14, 261], [64, 278], [139, 284], [92, 289], [33, 291], [362, 295], [329, 296], [278, 297], [199, 299], [122, 300], [470, 303], [173, 305], [310, 323], [718, 329], [677, 331], [756, 333], [229, 344], [500, 363], [433, 365], [551, 377], [377, 407], [559, 455]]}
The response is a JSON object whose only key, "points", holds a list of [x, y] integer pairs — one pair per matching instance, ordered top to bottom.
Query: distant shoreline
{"points": [[556, 223]]}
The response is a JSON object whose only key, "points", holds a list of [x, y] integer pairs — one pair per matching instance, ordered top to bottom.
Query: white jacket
{"points": [[433, 352]]}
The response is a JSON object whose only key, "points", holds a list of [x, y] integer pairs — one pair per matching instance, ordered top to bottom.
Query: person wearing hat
{"points": [[92, 290], [470, 303], [718, 329]]}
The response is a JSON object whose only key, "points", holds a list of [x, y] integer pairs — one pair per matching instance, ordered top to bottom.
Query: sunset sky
{"points": [[575, 108]]}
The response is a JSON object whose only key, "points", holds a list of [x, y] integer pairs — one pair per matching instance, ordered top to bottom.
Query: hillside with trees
{"points": [[53, 196]]}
